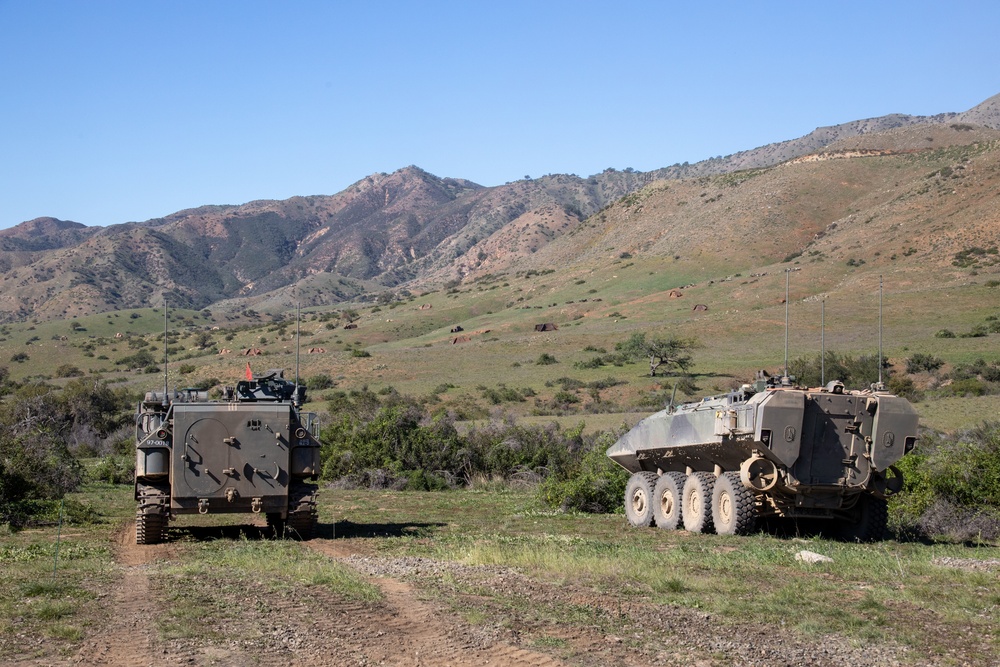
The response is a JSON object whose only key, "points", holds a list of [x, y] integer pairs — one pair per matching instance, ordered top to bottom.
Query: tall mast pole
{"points": [[786, 322], [822, 343], [880, 386], [165, 387]]}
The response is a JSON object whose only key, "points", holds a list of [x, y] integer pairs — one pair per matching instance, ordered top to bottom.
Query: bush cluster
{"points": [[855, 372], [41, 431], [391, 441], [952, 487]]}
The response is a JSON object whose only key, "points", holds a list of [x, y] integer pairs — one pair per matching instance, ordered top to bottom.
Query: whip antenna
{"points": [[786, 322], [822, 343], [298, 346], [880, 385], [165, 389]]}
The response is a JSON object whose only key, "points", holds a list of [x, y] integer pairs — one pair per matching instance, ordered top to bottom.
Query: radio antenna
{"points": [[786, 322], [822, 343], [298, 346], [880, 385], [165, 388]]}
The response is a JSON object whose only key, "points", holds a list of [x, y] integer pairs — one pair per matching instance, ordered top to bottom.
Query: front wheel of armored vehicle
{"points": [[639, 499], [667, 500], [696, 502], [733, 511], [871, 516]]}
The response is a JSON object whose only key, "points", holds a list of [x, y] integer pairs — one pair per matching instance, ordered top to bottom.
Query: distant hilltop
{"points": [[411, 229]]}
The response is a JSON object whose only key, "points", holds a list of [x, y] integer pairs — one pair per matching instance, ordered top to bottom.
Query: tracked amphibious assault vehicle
{"points": [[769, 449], [253, 451]]}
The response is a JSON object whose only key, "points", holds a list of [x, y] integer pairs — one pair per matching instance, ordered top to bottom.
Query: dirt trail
{"points": [[322, 630], [412, 632], [129, 638]]}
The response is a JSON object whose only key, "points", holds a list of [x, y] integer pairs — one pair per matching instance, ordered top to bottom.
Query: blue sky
{"points": [[120, 111]]}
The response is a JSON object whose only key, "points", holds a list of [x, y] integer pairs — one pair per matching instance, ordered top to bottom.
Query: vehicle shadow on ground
{"points": [[340, 529], [211, 533]]}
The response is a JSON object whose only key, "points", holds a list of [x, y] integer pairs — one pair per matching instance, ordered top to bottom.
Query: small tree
{"points": [[203, 340], [671, 352]]}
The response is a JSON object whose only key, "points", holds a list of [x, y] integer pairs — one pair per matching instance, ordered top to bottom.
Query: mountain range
{"points": [[920, 188]]}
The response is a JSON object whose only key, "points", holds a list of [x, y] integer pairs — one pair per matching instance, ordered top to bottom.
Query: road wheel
{"points": [[639, 499], [667, 500], [696, 502], [733, 511], [871, 515], [149, 527]]}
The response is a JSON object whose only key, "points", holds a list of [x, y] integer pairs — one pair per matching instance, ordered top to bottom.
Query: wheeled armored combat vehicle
{"points": [[769, 449], [252, 451]]}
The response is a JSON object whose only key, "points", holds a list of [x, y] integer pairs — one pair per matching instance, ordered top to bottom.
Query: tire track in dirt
{"points": [[412, 632], [129, 638]]}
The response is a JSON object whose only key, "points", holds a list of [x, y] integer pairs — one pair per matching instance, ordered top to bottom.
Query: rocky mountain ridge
{"points": [[413, 229]]}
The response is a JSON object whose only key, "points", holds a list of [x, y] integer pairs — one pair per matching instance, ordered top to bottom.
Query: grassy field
{"points": [[408, 344], [565, 575]]}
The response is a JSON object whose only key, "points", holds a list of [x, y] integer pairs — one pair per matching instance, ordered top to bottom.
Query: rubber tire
{"points": [[639, 499], [667, 500], [696, 502], [733, 511], [869, 524], [149, 527]]}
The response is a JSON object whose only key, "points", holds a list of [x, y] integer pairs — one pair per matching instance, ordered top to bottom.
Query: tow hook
{"points": [[256, 505], [203, 506]]}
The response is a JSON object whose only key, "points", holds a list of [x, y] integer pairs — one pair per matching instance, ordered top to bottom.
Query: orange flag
{"points": [[249, 373]]}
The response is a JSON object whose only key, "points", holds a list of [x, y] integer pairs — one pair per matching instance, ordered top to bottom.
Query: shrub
{"points": [[978, 331], [945, 333], [359, 353], [141, 359], [546, 359], [923, 362], [68, 371], [854, 372], [320, 381], [568, 384], [904, 387], [966, 387], [505, 394], [385, 442], [114, 469], [592, 484], [952, 486]]}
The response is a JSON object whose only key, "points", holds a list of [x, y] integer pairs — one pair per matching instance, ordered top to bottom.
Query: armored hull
{"points": [[769, 450], [253, 452]]}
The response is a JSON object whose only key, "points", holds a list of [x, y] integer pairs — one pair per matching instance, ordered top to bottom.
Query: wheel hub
{"points": [[639, 501], [726, 508]]}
